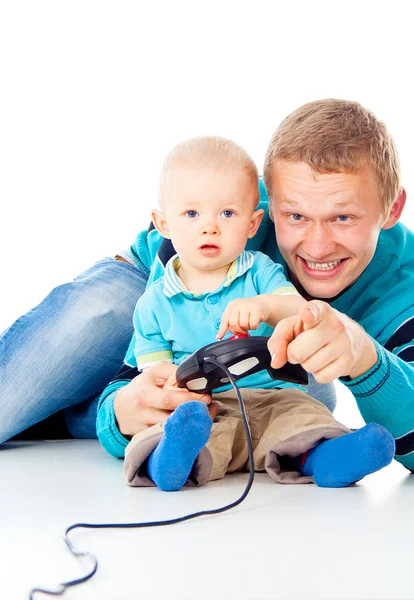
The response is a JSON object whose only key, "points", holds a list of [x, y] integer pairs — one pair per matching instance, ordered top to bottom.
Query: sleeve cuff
{"points": [[370, 382], [371, 389], [107, 429]]}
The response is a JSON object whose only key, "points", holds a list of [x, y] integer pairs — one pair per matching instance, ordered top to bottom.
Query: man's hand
{"points": [[243, 314], [324, 341], [144, 401]]}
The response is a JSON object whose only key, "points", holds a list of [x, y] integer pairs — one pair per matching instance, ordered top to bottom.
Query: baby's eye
{"points": [[227, 213], [191, 214]]}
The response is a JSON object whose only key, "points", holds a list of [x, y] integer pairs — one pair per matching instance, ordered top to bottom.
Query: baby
{"points": [[211, 287]]}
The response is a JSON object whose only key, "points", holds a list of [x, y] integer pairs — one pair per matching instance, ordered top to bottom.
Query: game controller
{"points": [[242, 354]]}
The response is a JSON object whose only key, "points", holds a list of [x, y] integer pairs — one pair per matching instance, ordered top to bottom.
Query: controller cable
{"points": [[78, 553]]}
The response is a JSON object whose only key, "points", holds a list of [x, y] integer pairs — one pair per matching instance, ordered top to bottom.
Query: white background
{"points": [[94, 94]]}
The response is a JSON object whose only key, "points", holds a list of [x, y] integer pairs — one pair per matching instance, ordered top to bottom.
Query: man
{"points": [[333, 182], [73, 341]]}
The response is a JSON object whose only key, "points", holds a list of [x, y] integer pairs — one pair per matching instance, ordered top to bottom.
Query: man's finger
{"points": [[312, 313], [283, 334], [307, 344], [324, 356], [279, 357], [330, 372], [159, 373], [171, 382], [173, 398], [213, 410], [152, 416]]}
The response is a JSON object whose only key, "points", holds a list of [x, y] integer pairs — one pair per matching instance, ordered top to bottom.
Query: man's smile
{"points": [[322, 270]]}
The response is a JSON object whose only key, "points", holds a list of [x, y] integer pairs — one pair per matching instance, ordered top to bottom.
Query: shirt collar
{"points": [[173, 285]]}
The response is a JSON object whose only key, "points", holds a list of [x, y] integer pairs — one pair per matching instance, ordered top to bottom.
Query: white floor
{"points": [[282, 542]]}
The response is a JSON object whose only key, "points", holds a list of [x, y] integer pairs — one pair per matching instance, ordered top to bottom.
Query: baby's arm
{"points": [[276, 299], [281, 306], [247, 313], [150, 346]]}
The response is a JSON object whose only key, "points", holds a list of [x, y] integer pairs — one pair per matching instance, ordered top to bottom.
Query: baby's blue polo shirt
{"points": [[171, 322]]}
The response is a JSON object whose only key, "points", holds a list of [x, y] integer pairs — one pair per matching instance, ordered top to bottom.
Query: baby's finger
{"points": [[234, 319], [244, 319], [255, 319], [224, 326], [236, 329]]}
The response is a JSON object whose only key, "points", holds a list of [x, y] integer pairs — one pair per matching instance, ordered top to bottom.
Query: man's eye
{"points": [[227, 213], [191, 214], [296, 217], [343, 218]]}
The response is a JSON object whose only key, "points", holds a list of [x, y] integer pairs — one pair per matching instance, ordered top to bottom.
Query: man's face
{"points": [[327, 225]]}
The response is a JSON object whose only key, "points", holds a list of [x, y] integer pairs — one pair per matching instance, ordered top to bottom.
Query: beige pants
{"points": [[284, 424]]}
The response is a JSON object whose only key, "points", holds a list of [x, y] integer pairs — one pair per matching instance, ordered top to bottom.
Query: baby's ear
{"points": [[257, 217], [160, 223]]}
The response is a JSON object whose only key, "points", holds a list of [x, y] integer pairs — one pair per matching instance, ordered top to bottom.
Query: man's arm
{"points": [[330, 345], [147, 347], [385, 393], [134, 401]]}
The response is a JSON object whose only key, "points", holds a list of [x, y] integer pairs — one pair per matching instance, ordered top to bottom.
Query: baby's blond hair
{"points": [[208, 152]]}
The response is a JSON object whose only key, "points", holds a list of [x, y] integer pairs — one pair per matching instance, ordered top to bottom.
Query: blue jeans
{"points": [[64, 352]]}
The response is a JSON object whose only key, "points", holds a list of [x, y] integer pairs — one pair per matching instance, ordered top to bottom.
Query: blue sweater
{"points": [[381, 301]]}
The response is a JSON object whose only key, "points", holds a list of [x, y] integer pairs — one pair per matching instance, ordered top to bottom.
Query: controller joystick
{"points": [[243, 355]]}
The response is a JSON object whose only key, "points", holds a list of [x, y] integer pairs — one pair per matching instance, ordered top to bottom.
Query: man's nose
{"points": [[318, 242]]}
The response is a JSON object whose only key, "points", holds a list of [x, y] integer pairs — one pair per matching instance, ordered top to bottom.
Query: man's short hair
{"points": [[337, 136], [209, 152]]}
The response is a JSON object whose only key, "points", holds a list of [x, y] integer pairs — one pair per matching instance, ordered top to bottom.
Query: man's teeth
{"points": [[322, 266]]}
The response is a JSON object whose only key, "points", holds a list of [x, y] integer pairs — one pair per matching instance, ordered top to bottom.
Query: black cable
{"points": [[72, 582]]}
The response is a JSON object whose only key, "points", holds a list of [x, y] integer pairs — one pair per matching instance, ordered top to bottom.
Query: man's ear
{"points": [[395, 210], [271, 211], [257, 216], [160, 223]]}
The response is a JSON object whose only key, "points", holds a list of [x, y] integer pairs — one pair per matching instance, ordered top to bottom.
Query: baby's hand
{"points": [[243, 314]]}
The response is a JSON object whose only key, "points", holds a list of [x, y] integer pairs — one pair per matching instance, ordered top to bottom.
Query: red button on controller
{"points": [[239, 336]]}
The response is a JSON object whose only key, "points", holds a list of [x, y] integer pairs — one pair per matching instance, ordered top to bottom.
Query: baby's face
{"points": [[210, 215]]}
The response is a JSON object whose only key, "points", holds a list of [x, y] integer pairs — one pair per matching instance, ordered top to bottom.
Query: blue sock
{"points": [[186, 432], [347, 459]]}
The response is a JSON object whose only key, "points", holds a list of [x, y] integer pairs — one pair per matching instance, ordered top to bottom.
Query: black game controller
{"points": [[242, 355]]}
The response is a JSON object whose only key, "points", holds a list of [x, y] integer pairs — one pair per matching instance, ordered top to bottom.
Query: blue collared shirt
{"points": [[171, 322]]}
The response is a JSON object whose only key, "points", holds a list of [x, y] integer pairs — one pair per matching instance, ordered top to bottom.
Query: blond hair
{"points": [[337, 136], [208, 152]]}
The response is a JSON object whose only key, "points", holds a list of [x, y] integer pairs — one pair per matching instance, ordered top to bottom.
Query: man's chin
{"points": [[324, 285], [323, 290]]}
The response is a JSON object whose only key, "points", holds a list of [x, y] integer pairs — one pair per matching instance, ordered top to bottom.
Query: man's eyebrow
{"points": [[290, 202], [338, 204]]}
